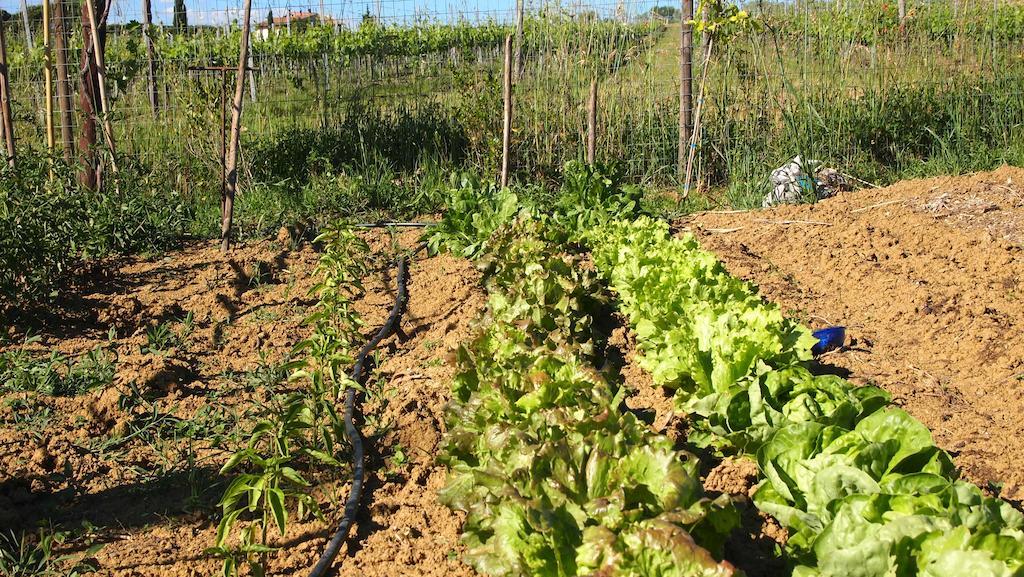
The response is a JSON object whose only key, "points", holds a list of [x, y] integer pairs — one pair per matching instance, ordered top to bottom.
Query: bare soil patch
{"points": [[927, 277], [150, 496]]}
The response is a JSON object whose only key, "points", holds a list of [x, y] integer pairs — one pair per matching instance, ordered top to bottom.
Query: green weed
{"points": [[23, 370], [35, 555]]}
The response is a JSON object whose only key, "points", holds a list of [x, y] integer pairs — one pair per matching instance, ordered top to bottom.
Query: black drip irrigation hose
{"points": [[389, 224], [358, 452]]}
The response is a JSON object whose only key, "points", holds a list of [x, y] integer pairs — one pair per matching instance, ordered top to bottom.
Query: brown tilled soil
{"points": [[928, 278], [138, 462]]}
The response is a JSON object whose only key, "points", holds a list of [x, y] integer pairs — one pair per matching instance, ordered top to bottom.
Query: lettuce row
{"points": [[702, 331], [555, 478], [860, 486]]}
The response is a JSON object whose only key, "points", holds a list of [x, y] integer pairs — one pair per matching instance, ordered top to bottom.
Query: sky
{"points": [[392, 11]]}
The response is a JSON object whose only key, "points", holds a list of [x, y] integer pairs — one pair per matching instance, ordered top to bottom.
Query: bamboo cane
{"points": [[147, 23], [28, 27], [48, 76], [700, 107], [592, 123], [506, 133]]}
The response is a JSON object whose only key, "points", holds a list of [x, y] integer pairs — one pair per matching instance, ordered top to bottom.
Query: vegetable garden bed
{"points": [[568, 453]]}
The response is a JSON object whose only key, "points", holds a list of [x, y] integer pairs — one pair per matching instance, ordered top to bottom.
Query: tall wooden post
{"points": [[147, 23], [27, 25], [519, 38], [48, 77], [101, 81], [685, 85], [63, 86], [88, 96], [5, 98], [592, 123], [506, 133], [231, 166]]}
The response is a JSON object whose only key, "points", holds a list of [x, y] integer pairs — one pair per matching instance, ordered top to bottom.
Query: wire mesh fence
{"points": [[414, 83]]}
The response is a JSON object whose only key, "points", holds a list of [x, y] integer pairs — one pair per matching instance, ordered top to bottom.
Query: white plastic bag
{"points": [[792, 184]]}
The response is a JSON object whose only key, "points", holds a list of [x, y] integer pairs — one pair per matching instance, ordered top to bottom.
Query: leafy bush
{"points": [[402, 139], [47, 225]]}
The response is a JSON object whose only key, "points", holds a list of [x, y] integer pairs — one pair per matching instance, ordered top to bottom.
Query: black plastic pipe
{"points": [[389, 224], [358, 451]]}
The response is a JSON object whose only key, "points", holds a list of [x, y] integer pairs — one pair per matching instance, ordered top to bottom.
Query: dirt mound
{"points": [[927, 277]]}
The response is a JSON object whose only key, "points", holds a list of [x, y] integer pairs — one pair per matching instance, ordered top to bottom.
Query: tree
{"points": [[670, 13], [270, 19], [369, 19], [180, 21]]}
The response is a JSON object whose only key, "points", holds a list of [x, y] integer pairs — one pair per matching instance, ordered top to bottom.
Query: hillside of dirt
{"points": [[928, 277]]}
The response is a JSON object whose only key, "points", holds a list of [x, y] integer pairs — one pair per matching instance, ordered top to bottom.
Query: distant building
{"points": [[292, 21]]}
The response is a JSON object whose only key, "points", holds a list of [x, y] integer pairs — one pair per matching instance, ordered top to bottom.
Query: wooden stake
{"points": [[147, 23], [28, 28], [519, 38], [48, 77], [101, 77], [252, 79], [685, 86], [63, 87], [5, 98], [592, 123], [506, 133], [695, 133], [231, 165], [89, 176]]}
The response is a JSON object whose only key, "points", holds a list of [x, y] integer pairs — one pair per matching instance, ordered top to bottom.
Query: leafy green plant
{"points": [[592, 195], [474, 211], [700, 329], [162, 336], [743, 417], [302, 430], [275, 446], [885, 480], [860, 486]]}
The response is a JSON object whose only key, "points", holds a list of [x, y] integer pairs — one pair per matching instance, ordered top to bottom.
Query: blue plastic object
{"points": [[829, 339]]}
